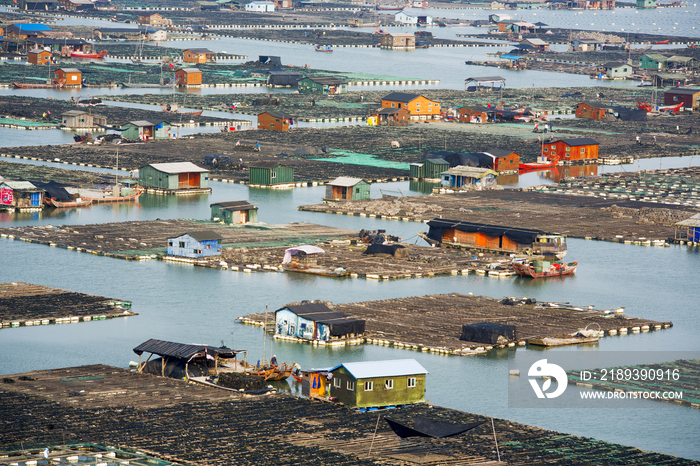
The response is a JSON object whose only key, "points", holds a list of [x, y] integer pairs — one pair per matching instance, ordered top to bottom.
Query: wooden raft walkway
{"points": [[23, 305], [392, 322], [196, 425]]}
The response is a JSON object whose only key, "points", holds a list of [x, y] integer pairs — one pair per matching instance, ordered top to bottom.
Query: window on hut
{"points": [[336, 382], [411, 382], [389, 384], [350, 385], [369, 386]]}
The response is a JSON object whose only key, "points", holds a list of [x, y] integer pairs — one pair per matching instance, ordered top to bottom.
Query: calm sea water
{"points": [[187, 304]]}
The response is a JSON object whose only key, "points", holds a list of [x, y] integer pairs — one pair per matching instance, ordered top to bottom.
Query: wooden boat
{"points": [[662, 42], [323, 48], [79, 54], [57, 85], [173, 108], [112, 199], [70, 204], [537, 268], [316, 270], [582, 336], [274, 373], [296, 377]]}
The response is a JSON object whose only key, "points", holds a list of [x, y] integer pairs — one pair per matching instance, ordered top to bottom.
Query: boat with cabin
{"points": [[323, 48], [80, 54], [539, 267]]}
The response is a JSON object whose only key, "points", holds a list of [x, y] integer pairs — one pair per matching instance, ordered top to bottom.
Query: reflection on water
{"points": [[423, 187]]}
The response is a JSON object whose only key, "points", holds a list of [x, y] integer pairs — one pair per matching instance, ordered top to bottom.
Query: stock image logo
{"points": [[542, 368]]}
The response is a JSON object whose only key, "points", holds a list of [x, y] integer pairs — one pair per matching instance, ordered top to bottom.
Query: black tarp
{"points": [[284, 78], [630, 114], [54, 190], [519, 235], [395, 250], [340, 324], [488, 332], [175, 368], [423, 427]]}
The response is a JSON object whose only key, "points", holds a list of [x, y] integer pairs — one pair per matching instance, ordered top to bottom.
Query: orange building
{"points": [[154, 20], [197, 56], [39, 57], [72, 76], [189, 77], [420, 107], [593, 111], [474, 114], [389, 116], [276, 121], [571, 149], [503, 160]]}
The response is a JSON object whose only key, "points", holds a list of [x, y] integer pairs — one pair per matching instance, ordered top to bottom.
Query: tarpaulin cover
{"points": [[629, 114], [475, 159], [54, 190], [519, 235], [307, 249], [383, 249], [340, 324], [487, 332], [175, 368], [423, 427]]}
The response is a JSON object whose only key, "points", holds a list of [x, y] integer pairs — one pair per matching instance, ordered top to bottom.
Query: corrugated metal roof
{"points": [[199, 50], [70, 70], [191, 70], [487, 79], [400, 97], [74, 113], [280, 115], [576, 142], [437, 161], [266, 164], [178, 167], [344, 181], [18, 184], [231, 204], [693, 221], [203, 235], [180, 350], [392, 368]]}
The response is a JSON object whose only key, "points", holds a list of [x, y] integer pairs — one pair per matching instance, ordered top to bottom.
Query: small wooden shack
{"points": [[398, 41], [39, 56], [198, 56], [73, 77], [189, 77], [322, 85], [690, 97], [594, 111], [475, 114], [390, 116], [77, 119], [276, 121], [145, 130], [503, 160], [428, 169], [270, 174], [461, 176], [176, 177], [345, 188], [20, 195], [234, 212], [689, 229], [480, 235], [195, 244], [316, 321], [314, 383], [372, 384]]}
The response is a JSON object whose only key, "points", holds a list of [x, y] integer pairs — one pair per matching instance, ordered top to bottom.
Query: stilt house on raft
{"points": [[175, 178], [234, 212], [454, 233], [195, 244], [316, 321], [180, 361], [379, 383]]}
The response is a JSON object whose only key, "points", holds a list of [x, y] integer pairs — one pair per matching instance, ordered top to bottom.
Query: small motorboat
{"points": [[323, 48], [78, 202], [540, 268]]}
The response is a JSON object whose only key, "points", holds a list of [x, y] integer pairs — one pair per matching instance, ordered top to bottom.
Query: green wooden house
{"points": [[646, 3], [653, 61], [322, 85], [144, 130], [428, 169], [270, 174], [178, 176], [345, 188], [234, 212], [379, 383]]}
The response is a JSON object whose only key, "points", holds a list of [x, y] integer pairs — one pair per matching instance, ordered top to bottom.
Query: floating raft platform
{"points": [[586, 217], [148, 239], [24, 305], [391, 322], [688, 381], [155, 415]]}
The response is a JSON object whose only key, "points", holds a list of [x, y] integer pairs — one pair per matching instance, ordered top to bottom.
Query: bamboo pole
{"points": [[374, 435], [495, 440]]}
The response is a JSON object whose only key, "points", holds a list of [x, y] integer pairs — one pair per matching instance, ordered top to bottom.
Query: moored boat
{"points": [[323, 48], [79, 54], [53, 85], [108, 197], [79, 202], [540, 268]]}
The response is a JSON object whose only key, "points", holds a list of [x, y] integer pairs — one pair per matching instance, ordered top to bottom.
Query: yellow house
{"points": [[420, 107]]}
